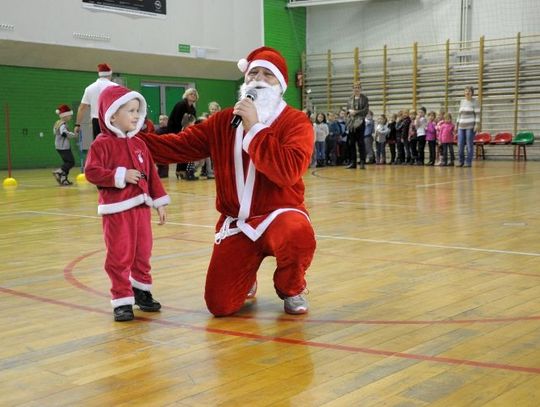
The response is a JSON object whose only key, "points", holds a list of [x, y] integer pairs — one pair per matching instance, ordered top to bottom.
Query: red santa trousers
{"points": [[128, 239], [236, 259]]}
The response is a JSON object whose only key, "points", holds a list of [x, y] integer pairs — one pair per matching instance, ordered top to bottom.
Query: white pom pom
{"points": [[243, 65], [57, 111]]}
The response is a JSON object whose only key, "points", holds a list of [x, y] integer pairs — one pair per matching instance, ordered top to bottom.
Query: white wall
{"points": [[504, 19], [372, 24], [228, 30]]}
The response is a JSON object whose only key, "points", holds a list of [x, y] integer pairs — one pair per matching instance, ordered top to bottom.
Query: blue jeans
{"points": [[466, 137], [320, 147]]}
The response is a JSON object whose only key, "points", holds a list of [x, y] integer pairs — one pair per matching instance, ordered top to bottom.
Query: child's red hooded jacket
{"points": [[113, 152]]}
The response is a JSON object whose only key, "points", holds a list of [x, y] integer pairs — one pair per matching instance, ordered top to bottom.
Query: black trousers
{"points": [[95, 127], [356, 137], [432, 144], [392, 147], [421, 147], [68, 159]]}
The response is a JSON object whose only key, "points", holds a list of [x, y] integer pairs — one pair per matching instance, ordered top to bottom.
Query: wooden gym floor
{"points": [[424, 291]]}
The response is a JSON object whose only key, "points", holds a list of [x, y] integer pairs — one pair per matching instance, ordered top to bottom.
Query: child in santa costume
{"points": [[62, 135], [120, 165], [258, 168]]}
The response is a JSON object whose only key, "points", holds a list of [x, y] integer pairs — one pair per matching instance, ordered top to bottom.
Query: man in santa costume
{"points": [[121, 166], [258, 168]]}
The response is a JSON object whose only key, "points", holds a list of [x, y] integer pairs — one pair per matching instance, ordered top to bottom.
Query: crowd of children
{"points": [[405, 135]]}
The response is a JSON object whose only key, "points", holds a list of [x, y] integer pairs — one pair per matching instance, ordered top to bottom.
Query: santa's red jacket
{"points": [[113, 152], [258, 174]]}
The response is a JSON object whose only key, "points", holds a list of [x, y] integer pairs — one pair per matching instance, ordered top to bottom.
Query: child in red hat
{"points": [[62, 144], [120, 165]]}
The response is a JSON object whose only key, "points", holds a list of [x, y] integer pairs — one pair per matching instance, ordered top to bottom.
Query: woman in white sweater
{"points": [[467, 124]]}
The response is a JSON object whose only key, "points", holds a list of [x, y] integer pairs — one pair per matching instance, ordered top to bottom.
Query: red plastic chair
{"points": [[502, 138], [480, 140]]}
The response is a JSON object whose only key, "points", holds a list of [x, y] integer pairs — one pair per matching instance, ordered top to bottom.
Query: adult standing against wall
{"points": [[90, 98], [184, 107], [358, 107], [467, 123]]}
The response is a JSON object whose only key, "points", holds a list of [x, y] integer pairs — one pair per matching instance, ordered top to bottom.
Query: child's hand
{"points": [[133, 176], [162, 215]]}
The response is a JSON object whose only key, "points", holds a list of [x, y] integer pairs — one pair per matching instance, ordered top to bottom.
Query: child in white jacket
{"points": [[381, 131]]}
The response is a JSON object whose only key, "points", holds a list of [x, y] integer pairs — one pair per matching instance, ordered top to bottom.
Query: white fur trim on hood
{"points": [[113, 108]]}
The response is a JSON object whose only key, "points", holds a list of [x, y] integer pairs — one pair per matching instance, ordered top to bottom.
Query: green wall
{"points": [[285, 30], [33, 94]]}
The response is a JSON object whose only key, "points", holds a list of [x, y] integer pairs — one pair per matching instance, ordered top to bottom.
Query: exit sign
{"points": [[186, 48]]}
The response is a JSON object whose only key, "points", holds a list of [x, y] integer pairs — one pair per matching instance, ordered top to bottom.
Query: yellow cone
{"points": [[10, 182]]}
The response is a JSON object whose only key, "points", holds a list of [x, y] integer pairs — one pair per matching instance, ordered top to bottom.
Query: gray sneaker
{"points": [[252, 291], [296, 305]]}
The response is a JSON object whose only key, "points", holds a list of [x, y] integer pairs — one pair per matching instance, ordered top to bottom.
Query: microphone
{"points": [[237, 119]]}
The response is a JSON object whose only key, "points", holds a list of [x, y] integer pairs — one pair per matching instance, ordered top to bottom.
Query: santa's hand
{"points": [[247, 110], [133, 176]]}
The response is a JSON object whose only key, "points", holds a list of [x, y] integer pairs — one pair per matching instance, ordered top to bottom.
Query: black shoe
{"points": [[350, 166], [362, 166], [57, 174], [190, 176], [64, 179], [145, 301], [123, 313]]}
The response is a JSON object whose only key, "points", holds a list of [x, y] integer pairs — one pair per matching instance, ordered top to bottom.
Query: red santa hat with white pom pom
{"points": [[268, 58], [104, 70], [64, 110]]}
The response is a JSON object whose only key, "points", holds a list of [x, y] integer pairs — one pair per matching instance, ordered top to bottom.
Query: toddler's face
{"points": [[127, 117]]}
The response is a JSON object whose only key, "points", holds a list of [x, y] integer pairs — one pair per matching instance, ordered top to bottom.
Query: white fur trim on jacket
{"points": [[250, 135], [120, 177], [164, 200], [107, 209], [252, 233], [123, 301]]}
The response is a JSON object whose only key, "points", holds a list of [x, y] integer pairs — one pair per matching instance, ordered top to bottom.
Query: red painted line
{"points": [[68, 275], [290, 341]]}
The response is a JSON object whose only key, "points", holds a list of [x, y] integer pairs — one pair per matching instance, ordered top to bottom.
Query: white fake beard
{"points": [[268, 98]]}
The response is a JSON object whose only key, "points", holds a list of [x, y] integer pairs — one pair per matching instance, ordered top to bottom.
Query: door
{"points": [[152, 95], [173, 95]]}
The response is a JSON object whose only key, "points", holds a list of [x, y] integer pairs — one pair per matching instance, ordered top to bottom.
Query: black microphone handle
{"points": [[237, 119]]}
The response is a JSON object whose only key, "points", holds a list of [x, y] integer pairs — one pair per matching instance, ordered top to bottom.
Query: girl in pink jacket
{"points": [[446, 139]]}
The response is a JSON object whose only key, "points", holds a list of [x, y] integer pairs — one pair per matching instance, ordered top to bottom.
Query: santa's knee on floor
{"points": [[220, 306]]}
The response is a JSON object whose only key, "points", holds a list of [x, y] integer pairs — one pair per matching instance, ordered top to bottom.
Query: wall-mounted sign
{"points": [[149, 8], [185, 48]]}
